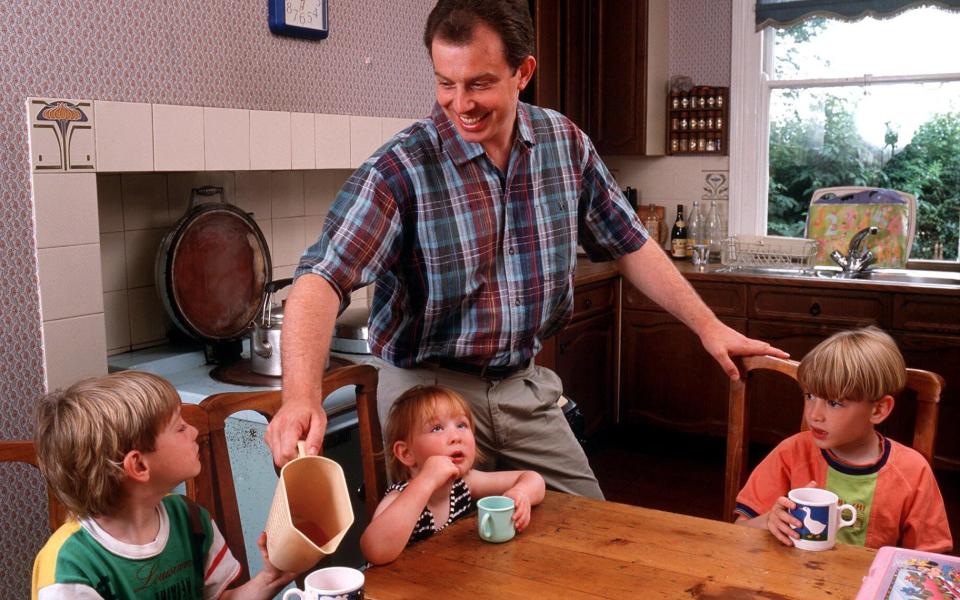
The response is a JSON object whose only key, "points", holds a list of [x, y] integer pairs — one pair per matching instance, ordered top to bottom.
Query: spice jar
{"points": [[720, 100], [684, 102], [710, 121], [719, 121], [684, 122], [674, 123], [702, 124], [683, 143], [674, 144], [701, 144], [711, 147]]}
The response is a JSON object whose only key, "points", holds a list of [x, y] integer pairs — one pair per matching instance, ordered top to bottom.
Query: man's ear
{"points": [[526, 69], [881, 409], [403, 453], [135, 466]]}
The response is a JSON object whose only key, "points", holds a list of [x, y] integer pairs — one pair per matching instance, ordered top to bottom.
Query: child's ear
{"points": [[882, 409], [403, 453], [135, 467]]}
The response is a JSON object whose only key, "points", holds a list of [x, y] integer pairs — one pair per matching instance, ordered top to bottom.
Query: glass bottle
{"points": [[694, 228], [714, 228], [678, 236]]}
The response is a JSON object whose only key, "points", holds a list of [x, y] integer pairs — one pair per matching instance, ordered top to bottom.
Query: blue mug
{"points": [[495, 519]]}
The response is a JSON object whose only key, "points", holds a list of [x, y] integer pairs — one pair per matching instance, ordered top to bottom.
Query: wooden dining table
{"points": [[581, 548]]}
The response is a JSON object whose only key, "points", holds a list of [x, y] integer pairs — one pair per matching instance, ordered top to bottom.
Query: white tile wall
{"points": [[366, 134], [124, 136], [177, 138], [226, 139], [303, 141], [333, 141], [271, 142], [253, 193], [286, 194], [144, 198], [109, 203], [65, 205], [288, 241], [141, 247], [113, 262], [70, 284], [116, 321], [149, 322], [74, 348]]}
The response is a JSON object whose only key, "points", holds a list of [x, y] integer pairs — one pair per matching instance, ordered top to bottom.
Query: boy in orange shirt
{"points": [[848, 384]]}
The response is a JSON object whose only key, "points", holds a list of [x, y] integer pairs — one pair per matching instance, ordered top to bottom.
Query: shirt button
{"points": [[510, 250], [516, 302]]}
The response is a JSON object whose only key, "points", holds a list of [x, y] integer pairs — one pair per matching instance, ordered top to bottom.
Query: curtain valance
{"points": [[783, 13]]}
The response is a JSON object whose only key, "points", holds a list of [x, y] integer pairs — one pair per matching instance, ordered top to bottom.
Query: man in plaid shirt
{"points": [[469, 221]]}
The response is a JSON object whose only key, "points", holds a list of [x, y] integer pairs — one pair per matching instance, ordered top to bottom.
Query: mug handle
{"points": [[844, 522], [485, 529], [293, 592]]}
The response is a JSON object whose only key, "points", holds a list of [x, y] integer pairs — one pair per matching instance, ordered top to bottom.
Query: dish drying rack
{"points": [[768, 252]]}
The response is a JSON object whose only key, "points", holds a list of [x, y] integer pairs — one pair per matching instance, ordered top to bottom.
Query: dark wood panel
{"points": [[618, 117], [593, 299], [725, 300], [838, 307], [939, 314], [586, 362], [668, 378]]}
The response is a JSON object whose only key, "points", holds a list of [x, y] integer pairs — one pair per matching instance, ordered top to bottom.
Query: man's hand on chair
{"points": [[723, 343]]}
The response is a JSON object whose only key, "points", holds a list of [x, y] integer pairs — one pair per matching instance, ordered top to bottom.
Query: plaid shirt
{"points": [[472, 263]]}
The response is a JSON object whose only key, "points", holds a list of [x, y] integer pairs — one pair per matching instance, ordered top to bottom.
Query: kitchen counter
{"points": [[591, 272]]}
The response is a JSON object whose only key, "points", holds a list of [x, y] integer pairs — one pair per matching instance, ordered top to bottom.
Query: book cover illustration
{"points": [[901, 574]]}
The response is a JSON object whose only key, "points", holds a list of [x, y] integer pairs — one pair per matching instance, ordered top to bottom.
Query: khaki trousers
{"points": [[519, 425]]}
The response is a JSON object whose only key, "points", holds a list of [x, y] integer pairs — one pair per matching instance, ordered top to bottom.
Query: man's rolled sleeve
{"points": [[608, 226], [359, 241]]}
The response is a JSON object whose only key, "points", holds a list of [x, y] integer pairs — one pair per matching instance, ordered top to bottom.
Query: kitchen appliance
{"points": [[265, 333], [350, 335]]}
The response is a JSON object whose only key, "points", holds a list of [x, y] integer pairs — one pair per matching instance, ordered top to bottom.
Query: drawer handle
{"points": [[587, 303], [815, 309], [563, 348]]}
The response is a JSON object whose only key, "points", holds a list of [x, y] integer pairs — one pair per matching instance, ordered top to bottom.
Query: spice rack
{"points": [[698, 121]]}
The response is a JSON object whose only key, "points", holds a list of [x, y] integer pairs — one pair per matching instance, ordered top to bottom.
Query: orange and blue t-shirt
{"points": [[897, 498]]}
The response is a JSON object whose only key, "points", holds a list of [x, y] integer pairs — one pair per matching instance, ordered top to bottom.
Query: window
{"points": [[869, 103]]}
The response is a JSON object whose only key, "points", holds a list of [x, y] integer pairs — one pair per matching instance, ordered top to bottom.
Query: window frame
{"points": [[751, 57]]}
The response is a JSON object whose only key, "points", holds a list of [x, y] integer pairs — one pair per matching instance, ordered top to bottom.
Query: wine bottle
{"points": [[678, 236]]}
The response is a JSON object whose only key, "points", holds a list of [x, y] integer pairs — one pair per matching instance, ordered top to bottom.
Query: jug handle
{"points": [[301, 448]]}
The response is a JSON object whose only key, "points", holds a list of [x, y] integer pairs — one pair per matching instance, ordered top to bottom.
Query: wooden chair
{"points": [[926, 384], [23, 451], [216, 491]]}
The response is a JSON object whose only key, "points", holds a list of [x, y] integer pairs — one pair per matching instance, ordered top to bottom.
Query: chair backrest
{"points": [[926, 384], [23, 451], [216, 490]]}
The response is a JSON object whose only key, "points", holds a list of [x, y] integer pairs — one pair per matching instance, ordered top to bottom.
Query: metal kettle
{"points": [[265, 334]]}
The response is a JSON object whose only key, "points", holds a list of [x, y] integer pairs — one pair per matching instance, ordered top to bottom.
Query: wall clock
{"points": [[299, 18]]}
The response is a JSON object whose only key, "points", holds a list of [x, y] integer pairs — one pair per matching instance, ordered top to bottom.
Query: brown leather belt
{"points": [[481, 371]]}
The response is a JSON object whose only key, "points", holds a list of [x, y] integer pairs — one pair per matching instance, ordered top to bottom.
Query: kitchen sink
{"points": [[906, 276]]}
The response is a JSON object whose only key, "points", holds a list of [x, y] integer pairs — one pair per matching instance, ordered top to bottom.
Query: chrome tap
{"points": [[857, 259]]}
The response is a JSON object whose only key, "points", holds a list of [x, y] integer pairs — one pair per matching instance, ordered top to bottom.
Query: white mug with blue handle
{"points": [[821, 515], [495, 519], [332, 583]]}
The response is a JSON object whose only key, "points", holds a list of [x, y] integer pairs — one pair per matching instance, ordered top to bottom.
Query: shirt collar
{"points": [[462, 151]]}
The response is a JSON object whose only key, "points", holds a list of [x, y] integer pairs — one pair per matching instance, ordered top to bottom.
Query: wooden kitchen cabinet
{"points": [[592, 58], [584, 354], [667, 378]]}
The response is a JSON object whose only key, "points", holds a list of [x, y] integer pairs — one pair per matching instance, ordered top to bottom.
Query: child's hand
{"points": [[439, 470], [521, 511], [781, 523], [272, 576]]}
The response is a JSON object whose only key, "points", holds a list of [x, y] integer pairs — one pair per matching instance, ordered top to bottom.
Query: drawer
{"points": [[592, 299], [724, 299], [815, 305], [915, 312]]}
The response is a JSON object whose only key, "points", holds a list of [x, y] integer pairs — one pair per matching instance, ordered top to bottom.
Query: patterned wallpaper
{"points": [[700, 40], [190, 52]]}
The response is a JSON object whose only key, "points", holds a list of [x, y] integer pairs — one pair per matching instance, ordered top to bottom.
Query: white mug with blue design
{"points": [[821, 515], [495, 519], [332, 583]]}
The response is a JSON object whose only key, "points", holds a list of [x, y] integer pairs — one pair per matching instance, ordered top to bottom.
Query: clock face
{"points": [[309, 14], [299, 18]]}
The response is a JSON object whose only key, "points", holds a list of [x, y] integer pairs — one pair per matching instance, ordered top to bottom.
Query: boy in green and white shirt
{"points": [[112, 449]]}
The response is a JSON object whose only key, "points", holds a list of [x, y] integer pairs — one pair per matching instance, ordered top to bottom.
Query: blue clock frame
{"points": [[278, 22]]}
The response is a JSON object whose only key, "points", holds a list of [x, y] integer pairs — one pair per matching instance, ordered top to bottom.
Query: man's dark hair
{"points": [[454, 21]]}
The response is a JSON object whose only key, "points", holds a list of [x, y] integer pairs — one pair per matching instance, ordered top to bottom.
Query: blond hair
{"points": [[857, 365], [411, 410], [84, 432]]}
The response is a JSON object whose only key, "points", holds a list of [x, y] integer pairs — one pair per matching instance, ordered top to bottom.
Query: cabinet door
{"points": [[618, 110], [585, 354], [940, 354], [668, 378]]}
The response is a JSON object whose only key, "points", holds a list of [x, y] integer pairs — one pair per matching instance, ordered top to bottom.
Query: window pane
{"points": [[921, 40], [904, 136]]}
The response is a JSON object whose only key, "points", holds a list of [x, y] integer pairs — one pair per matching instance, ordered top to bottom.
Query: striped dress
{"points": [[461, 504]]}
